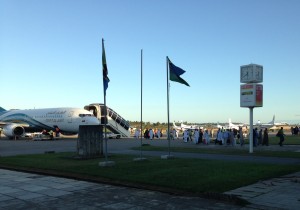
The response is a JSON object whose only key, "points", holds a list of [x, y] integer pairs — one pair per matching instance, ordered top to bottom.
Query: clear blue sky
{"points": [[50, 56]]}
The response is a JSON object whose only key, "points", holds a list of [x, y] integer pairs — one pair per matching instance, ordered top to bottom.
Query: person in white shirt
{"points": [[137, 133], [175, 133], [151, 134], [158, 134], [185, 136], [196, 136], [206, 137], [219, 139]]}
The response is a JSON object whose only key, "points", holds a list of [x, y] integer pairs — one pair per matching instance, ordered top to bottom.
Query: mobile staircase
{"points": [[115, 123]]}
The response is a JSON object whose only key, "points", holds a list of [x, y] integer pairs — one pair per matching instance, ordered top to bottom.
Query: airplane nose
{"points": [[90, 121], [95, 121]]}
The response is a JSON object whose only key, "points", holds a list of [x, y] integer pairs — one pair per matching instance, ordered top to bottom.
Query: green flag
{"points": [[105, 71], [175, 73]]}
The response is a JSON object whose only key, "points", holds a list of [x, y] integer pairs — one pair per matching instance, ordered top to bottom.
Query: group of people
{"points": [[295, 130], [51, 133], [149, 133], [197, 136], [223, 136], [234, 136], [230, 137], [260, 137]]}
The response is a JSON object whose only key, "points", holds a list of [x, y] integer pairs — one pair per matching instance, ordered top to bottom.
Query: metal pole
{"points": [[141, 101], [168, 105], [105, 123], [251, 131]]}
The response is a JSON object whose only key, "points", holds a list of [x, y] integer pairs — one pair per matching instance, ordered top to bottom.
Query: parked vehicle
{"points": [[111, 135]]}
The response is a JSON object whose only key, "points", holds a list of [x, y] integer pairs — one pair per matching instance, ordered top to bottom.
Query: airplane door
{"points": [[70, 115]]}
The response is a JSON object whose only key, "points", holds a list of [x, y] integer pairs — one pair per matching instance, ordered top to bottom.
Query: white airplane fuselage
{"points": [[67, 120], [266, 125], [183, 127]]}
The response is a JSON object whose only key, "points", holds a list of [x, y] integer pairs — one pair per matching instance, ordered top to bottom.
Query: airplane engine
{"points": [[12, 130]]}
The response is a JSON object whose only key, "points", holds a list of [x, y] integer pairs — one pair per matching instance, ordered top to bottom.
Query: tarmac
{"points": [[21, 190]]}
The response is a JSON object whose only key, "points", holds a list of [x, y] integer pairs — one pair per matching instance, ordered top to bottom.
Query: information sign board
{"points": [[251, 95]]}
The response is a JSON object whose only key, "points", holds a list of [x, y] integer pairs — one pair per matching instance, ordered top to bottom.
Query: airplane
{"points": [[15, 123], [281, 123], [230, 125], [266, 125], [218, 126], [226, 126], [234, 126], [184, 127], [191, 127], [177, 128]]}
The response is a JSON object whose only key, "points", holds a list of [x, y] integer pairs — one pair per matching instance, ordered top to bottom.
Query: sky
{"points": [[50, 56]]}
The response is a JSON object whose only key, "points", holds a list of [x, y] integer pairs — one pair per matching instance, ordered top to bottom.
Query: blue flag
{"points": [[105, 71], [175, 73]]}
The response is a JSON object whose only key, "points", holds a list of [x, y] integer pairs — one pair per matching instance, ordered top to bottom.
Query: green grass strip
{"points": [[190, 175]]}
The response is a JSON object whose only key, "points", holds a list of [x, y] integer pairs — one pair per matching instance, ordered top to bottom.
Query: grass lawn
{"points": [[222, 150], [189, 175]]}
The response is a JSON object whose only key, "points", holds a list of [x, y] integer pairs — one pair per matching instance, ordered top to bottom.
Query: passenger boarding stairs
{"points": [[115, 123]]}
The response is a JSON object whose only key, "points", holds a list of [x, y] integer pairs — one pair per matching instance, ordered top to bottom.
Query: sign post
{"points": [[251, 92]]}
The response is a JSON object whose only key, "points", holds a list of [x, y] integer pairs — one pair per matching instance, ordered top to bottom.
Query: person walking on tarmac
{"points": [[158, 133], [151, 134], [281, 135], [185, 136], [196, 136], [241, 136], [266, 137], [206, 138], [219, 139]]}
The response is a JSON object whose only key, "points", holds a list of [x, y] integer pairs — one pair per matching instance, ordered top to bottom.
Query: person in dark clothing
{"points": [[296, 131], [57, 132], [146, 134], [255, 135], [281, 135], [200, 136], [260, 136], [266, 137]]}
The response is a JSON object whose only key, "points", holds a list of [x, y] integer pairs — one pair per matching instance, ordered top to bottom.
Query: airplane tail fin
{"points": [[1, 109], [273, 121]]}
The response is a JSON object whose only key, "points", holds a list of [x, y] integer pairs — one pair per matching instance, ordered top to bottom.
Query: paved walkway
{"points": [[20, 190], [277, 193]]}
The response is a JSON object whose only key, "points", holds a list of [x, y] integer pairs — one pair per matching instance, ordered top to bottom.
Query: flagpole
{"points": [[167, 62], [141, 101], [105, 114], [105, 124]]}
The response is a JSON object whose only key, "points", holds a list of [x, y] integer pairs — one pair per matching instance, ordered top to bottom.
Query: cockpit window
{"points": [[85, 115]]}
